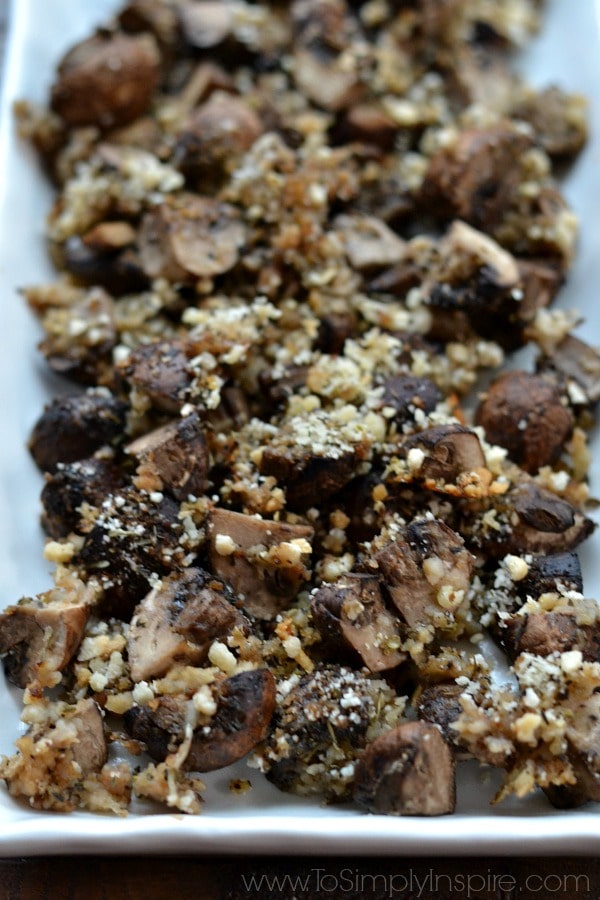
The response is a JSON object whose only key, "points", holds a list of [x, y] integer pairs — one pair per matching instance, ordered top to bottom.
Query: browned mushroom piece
{"points": [[204, 24], [322, 30], [107, 80], [558, 120], [366, 123], [215, 136], [476, 177], [190, 237], [368, 242], [466, 252], [105, 256], [540, 281], [474, 288], [84, 350], [577, 365], [161, 371], [406, 394], [528, 415], [72, 428], [447, 453], [174, 458], [311, 471], [75, 489], [529, 519], [133, 539], [265, 562], [427, 572], [552, 572], [353, 620], [177, 622], [541, 633], [39, 638], [245, 703], [331, 704], [439, 705], [245, 706], [160, 725], [583, 736], [90, 750], [408, 771]]}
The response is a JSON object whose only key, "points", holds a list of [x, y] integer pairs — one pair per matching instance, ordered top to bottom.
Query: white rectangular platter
{"points": [[264, 820]]}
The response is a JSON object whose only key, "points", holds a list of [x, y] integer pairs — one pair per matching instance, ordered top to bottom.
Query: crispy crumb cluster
{"points": [[283, 518]]}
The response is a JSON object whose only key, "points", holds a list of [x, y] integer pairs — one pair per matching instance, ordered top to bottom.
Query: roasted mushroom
{"points": [[107, 80], [528, 415], [72, 428], [174, 458], [265, 562], [352, 618], [176, 623], [39, 637], [409, 771]]}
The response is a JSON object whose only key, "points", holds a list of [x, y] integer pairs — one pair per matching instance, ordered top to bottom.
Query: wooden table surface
{"points": [[285, 878]]}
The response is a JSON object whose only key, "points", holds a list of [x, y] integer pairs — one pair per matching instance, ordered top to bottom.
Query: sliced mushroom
{"points": [[322, 30], [107, 80], [558, 119], [366, 123], [216, 135], [476, 177], [190, 237], [368, 242], [465, 250], [105, 256], [540, 281], [577, 365], [161, 371], [405, 394], [527, 415], [72, 428], [447, 452], [174, 457], [310, 474], [74, 490], [529, 519], [134, 538], [265, 562], [427, 572], [550, 572], [352, 618], [177, 622], [541, 633], [39, 638], [332, 703], [439, 705], [245, 706], [583, 735], [90, 751], [408, 771]]}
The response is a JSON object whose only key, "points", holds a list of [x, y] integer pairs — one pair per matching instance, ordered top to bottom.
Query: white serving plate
{"points": [[264, 820]]}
